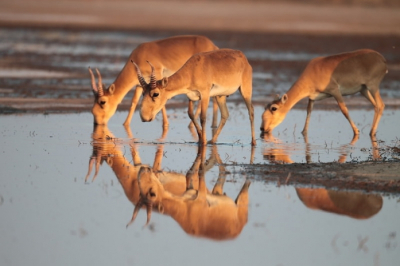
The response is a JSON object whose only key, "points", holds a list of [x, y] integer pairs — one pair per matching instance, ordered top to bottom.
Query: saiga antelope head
{"points": [[154, 96], [102, 109], [274, 114], [151, 191]]}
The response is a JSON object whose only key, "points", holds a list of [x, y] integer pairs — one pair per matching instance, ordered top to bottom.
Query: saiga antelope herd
{"points": [[167, 56], [194, 66]]}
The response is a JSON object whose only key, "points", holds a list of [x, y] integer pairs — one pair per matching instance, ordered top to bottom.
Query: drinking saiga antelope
{"points": [[167, 56], [215, 74], [333, 76], [199, 213]]}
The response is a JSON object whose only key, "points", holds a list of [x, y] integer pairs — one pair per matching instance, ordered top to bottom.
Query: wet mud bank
{"points": [[365, 176]]}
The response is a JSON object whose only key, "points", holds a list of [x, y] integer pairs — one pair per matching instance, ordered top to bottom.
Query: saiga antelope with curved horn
{"points": [[167, 56], [211, 74], [333, 76], [199, 213]]}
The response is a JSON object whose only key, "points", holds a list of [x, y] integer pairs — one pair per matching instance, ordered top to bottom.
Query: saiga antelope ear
{"points": [[164, 82], [111, 89], [284, 98]]}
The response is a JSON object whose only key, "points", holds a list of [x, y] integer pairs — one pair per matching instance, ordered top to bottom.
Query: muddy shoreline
{"points": [[364, 176]]}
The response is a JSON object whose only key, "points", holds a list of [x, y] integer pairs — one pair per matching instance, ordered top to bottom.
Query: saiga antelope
{"points": [[167, 56], [211, 74], [333, 76], [107, 149], [356, 205], [199, 213]]}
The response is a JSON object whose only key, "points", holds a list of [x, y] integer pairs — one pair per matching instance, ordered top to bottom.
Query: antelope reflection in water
{"points": [[109, 149], [281, 156], [356, 205], [213, 215]]}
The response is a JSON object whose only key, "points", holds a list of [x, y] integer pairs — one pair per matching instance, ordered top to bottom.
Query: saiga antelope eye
{"points": [[155, 94], [273, 109]]}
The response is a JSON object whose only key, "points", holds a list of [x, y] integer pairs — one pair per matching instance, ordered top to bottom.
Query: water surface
{"points": [[49, 215]]}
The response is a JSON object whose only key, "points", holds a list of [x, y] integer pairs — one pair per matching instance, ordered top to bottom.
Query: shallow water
{"points": [[49, 215]]}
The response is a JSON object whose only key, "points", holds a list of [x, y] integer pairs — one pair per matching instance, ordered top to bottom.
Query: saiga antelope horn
{"points": [[140, 76], [152, 77], [94, 87], [101, 92], [97, 162], [139, 205], [149, 208]]}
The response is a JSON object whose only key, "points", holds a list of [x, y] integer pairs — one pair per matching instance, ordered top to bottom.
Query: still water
{"points": [[49, 215]]}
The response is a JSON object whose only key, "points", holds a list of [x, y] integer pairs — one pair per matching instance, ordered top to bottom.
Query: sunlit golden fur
{"points": [[167, 56], [211, 74], [333, 76], [107, 148], [353, 204], [199, 213]]}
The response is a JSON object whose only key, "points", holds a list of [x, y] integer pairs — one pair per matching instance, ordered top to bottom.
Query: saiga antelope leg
{"points": [[373, 95], [338, 96], [135, 100], [221, 100], [309, 109], [215, 113], [196, 115], [251, 116], [165, 117], [192, 117], [203, 119], [375, 148], [308, 149], [135, 155], [343, 155], [158, 159], [221, 167], [193, 173], [202, 180], [219, 186], [243, 194], [242, 202]]}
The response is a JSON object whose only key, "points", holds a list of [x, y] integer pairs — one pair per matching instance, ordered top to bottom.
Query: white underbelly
{"points": [[218, 90]]}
